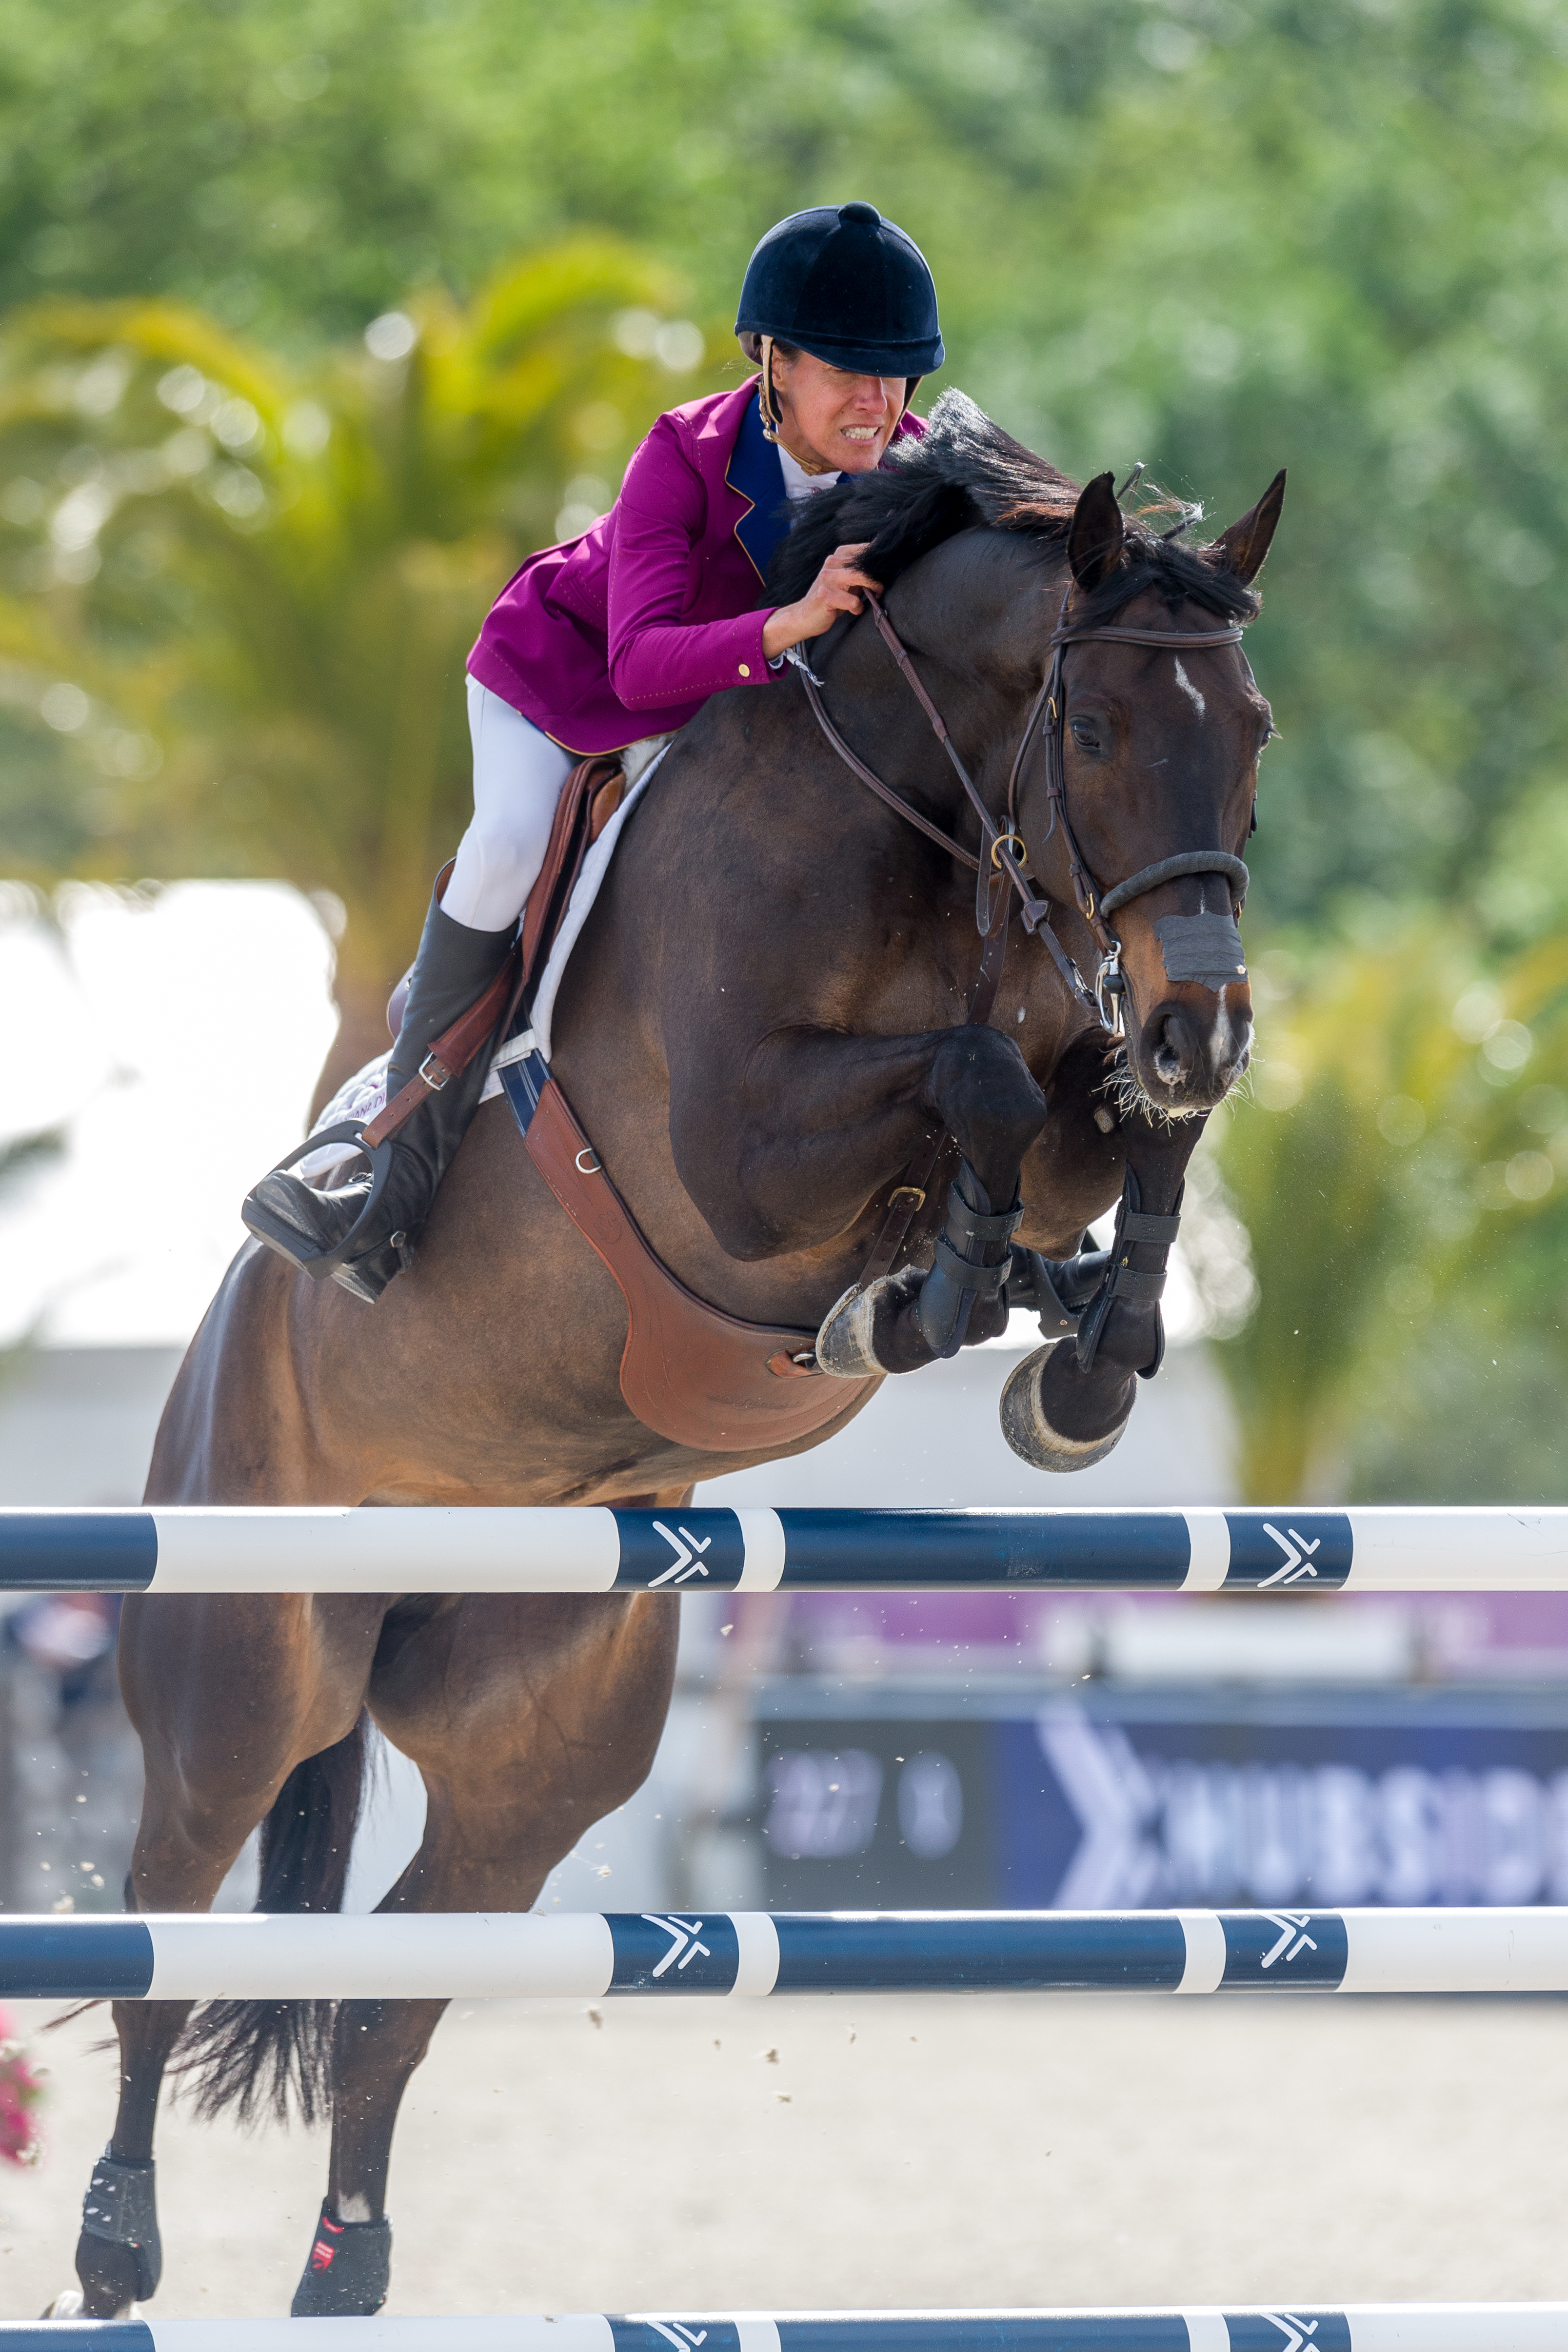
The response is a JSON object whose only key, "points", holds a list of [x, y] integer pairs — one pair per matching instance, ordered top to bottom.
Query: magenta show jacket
{"points": [[626, 631]]}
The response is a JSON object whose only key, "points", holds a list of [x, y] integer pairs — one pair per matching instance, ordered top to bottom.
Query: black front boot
{"points": [[362, 1233], [972, 1262], [1056, 1289]]}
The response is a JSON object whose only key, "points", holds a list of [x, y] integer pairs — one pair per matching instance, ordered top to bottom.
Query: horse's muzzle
{"points": [[1191, 1050]]}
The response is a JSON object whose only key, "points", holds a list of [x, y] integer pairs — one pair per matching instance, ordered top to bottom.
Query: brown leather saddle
{"points": [[689, 1371]]}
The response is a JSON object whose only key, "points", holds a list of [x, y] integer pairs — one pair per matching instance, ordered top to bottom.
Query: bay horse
{"points": [[762, 1024]]}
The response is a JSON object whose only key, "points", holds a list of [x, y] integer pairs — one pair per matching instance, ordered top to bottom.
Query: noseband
{"points": [[1004, 862]]}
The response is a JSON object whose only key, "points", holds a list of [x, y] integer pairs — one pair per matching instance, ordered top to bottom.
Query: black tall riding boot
{"points": [[362, 1233]]}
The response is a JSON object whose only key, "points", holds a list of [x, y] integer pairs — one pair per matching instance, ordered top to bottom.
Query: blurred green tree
{"points": [[1217, 237], [242, 590], [1402, 1172]]}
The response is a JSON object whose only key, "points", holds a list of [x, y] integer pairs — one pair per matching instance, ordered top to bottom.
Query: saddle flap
{"points": [[589, 798]]}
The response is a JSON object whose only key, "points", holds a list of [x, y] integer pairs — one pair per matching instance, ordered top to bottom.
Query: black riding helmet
{"points": [[841, 282]]}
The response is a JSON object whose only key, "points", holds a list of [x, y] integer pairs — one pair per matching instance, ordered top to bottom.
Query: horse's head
{"points": [[1150, 756], [1151, 760]]}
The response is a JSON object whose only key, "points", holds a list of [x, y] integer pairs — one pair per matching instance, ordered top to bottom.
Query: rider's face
{"points": [[842, 421]]}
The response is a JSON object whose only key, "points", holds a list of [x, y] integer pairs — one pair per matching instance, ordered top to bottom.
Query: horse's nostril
{"points": [[1172, 1054]]}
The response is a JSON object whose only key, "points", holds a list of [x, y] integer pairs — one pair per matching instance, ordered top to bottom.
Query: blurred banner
{"points": [[1105, 1799]]}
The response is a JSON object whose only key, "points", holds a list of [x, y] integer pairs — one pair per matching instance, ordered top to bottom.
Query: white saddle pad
{"points": [[364, 1094]]}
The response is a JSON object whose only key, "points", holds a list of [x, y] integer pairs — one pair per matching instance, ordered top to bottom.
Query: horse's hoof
{"points": [[844, 1342], [847, 1343], [1030, 1434], [72, 2304]]}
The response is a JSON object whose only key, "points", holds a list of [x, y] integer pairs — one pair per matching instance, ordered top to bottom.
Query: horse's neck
{"points": [[874, 709]]}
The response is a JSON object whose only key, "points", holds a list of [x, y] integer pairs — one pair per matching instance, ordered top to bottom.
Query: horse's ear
{"points": [[1094, 540], [1243, 547]]}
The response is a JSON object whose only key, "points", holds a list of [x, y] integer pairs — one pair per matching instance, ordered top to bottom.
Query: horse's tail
{"points": [[260, 2055]]}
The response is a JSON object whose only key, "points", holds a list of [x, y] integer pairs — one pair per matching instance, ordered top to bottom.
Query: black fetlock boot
{"points": [[362, 1233], [1150, 1238], [972, 1262], [1056, 1289], [118, 2259], [348, 2272]]}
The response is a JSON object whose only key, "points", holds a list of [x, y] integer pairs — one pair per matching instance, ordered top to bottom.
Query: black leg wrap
{"points": [[1134, 1231], [973, 1258], [1056, 1289], [120, 2211], [348, 2273]]}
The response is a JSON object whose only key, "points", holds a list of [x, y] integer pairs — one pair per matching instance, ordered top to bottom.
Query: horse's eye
{"points": [[1084, 736]]}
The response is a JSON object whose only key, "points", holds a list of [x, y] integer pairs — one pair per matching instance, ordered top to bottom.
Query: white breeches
{"points": [[518, 776]]}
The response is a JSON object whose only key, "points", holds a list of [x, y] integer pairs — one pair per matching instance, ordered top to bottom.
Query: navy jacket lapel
{"points": [[754, 471]]}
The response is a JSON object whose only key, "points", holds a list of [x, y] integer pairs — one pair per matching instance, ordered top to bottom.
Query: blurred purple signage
{"points": [[1104, 1799]]}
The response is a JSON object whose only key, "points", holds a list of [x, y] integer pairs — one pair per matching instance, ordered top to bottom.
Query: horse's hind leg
{"points": [[194, 1672], [530, 1718], [119, 2257]]}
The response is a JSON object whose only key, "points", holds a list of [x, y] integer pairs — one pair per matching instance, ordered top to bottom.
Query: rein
{"points": [[1002, 865]]}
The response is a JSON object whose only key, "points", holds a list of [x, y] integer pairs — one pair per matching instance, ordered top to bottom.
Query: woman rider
{"points": [[619, 636]]}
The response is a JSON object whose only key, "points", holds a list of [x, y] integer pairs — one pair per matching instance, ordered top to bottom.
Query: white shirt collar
{"points": [[799, 483]]}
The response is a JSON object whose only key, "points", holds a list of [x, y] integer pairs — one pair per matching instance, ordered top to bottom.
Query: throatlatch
{"points": [[121, 2208]]}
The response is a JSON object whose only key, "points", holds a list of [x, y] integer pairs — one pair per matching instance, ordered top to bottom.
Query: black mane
{"points": [[967, 473]]}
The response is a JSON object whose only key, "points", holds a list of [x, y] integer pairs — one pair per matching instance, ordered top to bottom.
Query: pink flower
{"points": [[21, 2096]]}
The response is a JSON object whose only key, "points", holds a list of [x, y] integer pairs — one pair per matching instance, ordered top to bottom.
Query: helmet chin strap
{"points": [[765, 397]]}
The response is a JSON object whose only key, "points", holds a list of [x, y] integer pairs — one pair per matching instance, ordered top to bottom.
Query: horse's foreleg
{"points": [[981, 1093], [824, 1119], [826, 1123], [1067, 1405]]}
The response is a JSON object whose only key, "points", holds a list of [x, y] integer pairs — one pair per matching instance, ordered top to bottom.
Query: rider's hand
{"points": [[835, 590]]}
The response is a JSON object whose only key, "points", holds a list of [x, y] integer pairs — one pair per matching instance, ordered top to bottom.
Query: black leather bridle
{"points": [[1003, 863]]}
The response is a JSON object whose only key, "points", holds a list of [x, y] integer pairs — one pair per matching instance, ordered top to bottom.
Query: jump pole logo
{"points": [[688, 1562], [1298, 1562], [1291, 1924], [683, 1935], [678, 2332], [1296, 2332]]}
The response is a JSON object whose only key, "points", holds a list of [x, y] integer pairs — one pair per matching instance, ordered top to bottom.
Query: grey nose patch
{"points": [[1204, 948]]}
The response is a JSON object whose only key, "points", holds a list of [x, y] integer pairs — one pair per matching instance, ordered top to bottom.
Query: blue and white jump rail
{"points": [[284, 1548], [413, 1955], [1351, 2327]]}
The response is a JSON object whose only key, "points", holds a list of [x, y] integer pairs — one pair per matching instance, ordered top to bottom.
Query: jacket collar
{"points": [[755, 475]]}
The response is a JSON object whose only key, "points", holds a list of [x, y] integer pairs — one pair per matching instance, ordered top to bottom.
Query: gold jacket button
{"points": [[745, 669]]}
